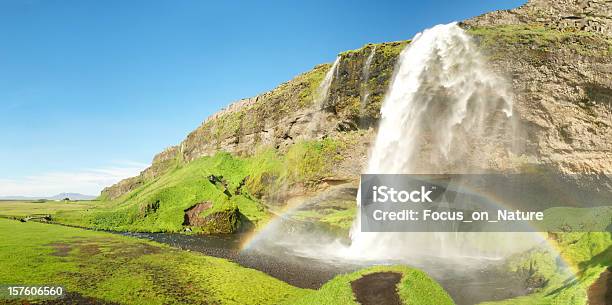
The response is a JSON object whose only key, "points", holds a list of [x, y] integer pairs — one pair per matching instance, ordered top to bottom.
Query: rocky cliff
{"points": [[565, 15], [557, 55], [284, 115]]}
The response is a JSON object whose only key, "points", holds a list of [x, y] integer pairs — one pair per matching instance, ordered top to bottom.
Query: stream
{"points": [[468, 281]]}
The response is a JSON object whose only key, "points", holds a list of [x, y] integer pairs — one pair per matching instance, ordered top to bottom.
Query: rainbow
{"points": [[490, 198]]}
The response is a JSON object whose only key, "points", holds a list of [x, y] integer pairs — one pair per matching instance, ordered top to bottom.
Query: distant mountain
{"points": [[71, 196]]}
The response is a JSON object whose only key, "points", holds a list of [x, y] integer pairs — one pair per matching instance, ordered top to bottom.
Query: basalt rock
{"points": [[558, 56], [225, 221]]}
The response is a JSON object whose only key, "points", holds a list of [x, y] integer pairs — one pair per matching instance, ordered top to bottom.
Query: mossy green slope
{"points": [[539, 40], [160, 204], [583, 256]]}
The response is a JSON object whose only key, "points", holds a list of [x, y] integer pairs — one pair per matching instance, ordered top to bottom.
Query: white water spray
{"points": [[438, 106], [444, 112]]}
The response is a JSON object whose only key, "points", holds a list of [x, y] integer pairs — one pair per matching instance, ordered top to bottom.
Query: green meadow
{"points": [[243, 184], [19, 209], [124, 270], [127, 270]]}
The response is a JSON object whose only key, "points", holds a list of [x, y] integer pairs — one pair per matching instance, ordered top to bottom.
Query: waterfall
{"points": [[323, 91], [365, 93], [321, 96], [437, 106], [444, 112]]}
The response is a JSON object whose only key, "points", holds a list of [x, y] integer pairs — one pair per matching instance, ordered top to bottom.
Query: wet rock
{"points": [[241, 185], [192, 214], [211, 220], [377, 288], [600, 292]]}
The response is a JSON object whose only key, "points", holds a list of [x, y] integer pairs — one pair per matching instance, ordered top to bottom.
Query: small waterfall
{"points": [[323, 90], [365, 93], [320, 99], [444, 112]]}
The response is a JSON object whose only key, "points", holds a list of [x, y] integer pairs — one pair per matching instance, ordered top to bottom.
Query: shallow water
{"points": [[300, 271], [468, 281]]}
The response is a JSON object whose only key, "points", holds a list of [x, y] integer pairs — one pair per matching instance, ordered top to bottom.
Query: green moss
{"points": [[541, 40], [389, 49], [392, 50], [312, 80], [310, 161], [305, 163], [265, 167], [174, 192], [160, 204], [336, 214], [342, 219], [566, 219], [221, 220], [334, 220], [583, 256], [125, 270], [415, 288]]}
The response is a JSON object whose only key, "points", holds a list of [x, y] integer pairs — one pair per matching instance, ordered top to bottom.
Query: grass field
{"points": [[26, 208], [126, 270]]}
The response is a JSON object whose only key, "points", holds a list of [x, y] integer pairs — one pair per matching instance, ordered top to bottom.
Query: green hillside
{"points": [[235, 186]]}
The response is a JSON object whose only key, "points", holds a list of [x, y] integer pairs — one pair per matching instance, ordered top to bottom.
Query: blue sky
{"points": [[91, 90]]}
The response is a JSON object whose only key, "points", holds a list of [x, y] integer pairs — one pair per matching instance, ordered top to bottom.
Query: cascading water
{"points": [[366, 76], [323, 90], [321, 97], [438, 105], [445, 112]]}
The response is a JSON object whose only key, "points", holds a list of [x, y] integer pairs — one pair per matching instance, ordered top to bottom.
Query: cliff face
{"points": [[566, 15], [557, 54], [286, 114], [283, 115]]}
